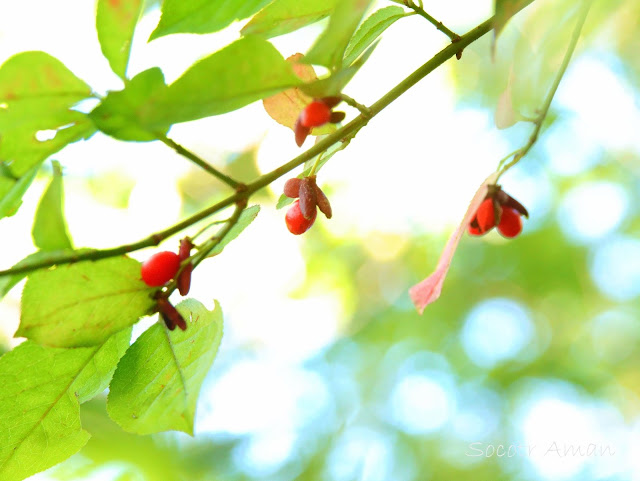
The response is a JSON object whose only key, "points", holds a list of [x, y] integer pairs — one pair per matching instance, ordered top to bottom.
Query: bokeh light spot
{"points": [[496, 330]]}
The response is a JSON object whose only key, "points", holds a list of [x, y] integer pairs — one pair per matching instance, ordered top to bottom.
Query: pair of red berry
{"points": [[317, 114], [499, 210], [302, 214], [163, 266]]}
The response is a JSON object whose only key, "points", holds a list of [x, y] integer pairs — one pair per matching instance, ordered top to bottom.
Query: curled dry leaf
{"points": [[337, 117], [301, 132], [292, 187], [308, 197], [323, 203], [185, 249], [184, 279], [427, 291], [170, 315]]}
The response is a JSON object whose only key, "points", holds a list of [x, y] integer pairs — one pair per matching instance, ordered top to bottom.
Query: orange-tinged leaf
{"points": [[286, 106]]}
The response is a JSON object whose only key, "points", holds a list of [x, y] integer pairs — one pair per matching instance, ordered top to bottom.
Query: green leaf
{"points": [[503, 11], [203, 16], [284, 16], [115, 22], [370, 30], [329, 48], [247, 70], [333, 85], [36, 94], [122, 114], [12, 190], [284, 201], [247, 217], [49, 226], [7, 282], [82, 304], [96, 375], [156, 385], [42, 389]]}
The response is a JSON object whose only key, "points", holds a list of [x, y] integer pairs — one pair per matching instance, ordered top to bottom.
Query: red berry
{"points": [[315, 114], [485, 216], [296, 222], [510, 223], [160, 268]]}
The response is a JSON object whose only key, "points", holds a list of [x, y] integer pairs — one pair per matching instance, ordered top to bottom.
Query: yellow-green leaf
{"points": [[203, 16], [285, 16], [115, 22], [370, 30], [329, 48], [249, 69], [37, 93], [12, 189], [49, 225], [83, 304], [156, 385], [42, 388]]}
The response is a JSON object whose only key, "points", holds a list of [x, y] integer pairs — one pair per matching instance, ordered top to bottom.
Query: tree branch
{"points": [[264, 180]]}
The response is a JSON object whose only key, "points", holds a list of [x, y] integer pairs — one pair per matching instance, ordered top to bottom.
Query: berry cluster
{"points": [[316, 114], [499, 210], [302, 214], [162, 267]]}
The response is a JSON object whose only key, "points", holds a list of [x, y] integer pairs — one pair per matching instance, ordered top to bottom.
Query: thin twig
{"points": [[417, 8], [582, 16], [364, 110], [339, 135], [198, 161], [208, 246]]}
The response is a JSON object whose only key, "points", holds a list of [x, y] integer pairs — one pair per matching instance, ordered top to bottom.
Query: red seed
{"points": [[315, 114], [292, 187], [485, 216], [296, 223], [510, 223], [160, 268]]}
